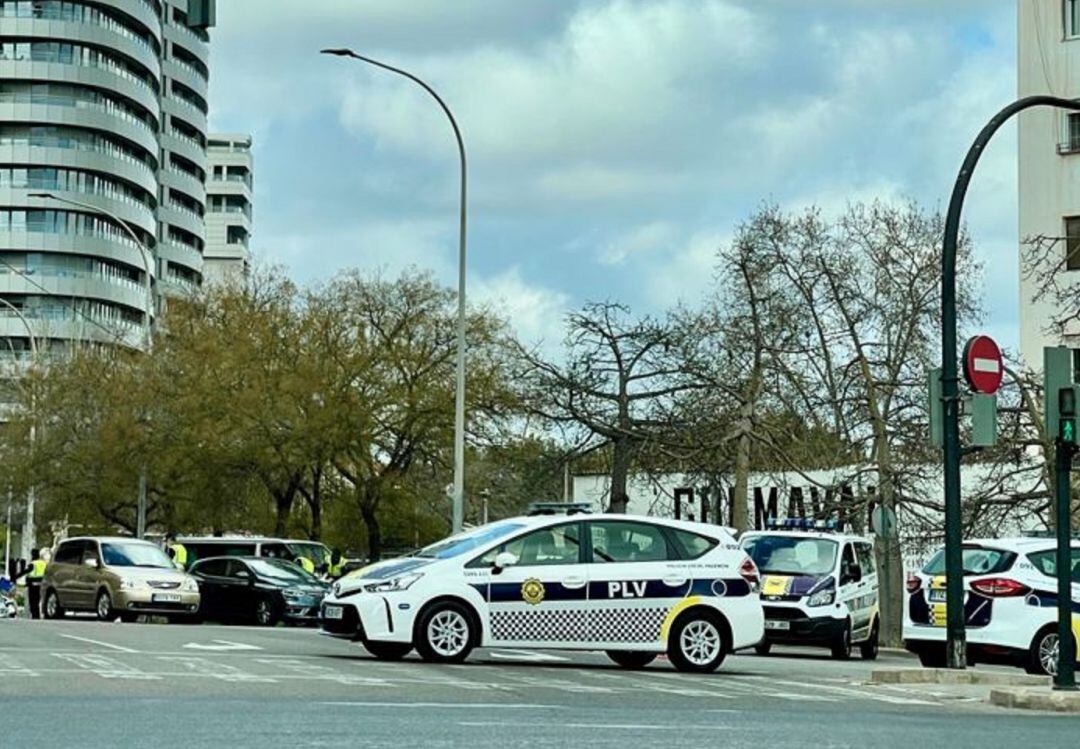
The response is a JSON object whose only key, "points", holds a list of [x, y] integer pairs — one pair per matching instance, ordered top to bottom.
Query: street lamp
{"points": [[148, 337], [459, 399], [29, 531]]}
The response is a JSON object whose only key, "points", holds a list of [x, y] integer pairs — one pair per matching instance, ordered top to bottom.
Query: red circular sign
{"points": [[983, 365]]}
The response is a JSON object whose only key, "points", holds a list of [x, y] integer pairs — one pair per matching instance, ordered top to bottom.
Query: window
{"points": [[1072, 19], [1071, 141], [1072, 243], [617, 541], [691, 545], [543, 547], [69, 552], [122, 554], [865, 554], [792, 555], [847, 561], [977, 561], [1046, 563], [214, 567], [238, 570]]}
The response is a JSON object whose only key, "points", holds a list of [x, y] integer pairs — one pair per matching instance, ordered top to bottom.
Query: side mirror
{"points": [[503, 560], [91, 562]]}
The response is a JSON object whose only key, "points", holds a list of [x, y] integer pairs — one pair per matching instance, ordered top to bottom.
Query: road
{"points": [[79, 683]]}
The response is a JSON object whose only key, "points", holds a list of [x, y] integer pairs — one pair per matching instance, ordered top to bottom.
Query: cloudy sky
{"points": [[613, 144]]}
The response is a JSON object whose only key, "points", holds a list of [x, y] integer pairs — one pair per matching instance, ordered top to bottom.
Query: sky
{"points": [[614, 145]]}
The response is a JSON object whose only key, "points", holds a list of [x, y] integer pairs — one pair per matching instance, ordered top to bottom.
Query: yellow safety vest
{"points": [[179, 554], [307, 564], [37, 569], [336, 569]]}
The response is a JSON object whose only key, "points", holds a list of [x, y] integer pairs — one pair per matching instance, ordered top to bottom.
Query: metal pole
{"points": [[148, 332], [458, 492], [29, 530], [7, 541], [956, 639], [1065, 679]]}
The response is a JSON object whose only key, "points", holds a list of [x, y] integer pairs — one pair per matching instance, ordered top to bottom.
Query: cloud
{"points": [[535, 312]]}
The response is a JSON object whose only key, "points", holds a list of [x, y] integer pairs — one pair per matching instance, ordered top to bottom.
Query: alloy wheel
{"points": [[104, 606], [448, 633], [700, 642], [1048, 653]]}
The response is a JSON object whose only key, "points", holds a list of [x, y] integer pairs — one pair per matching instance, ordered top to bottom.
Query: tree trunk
{"points": [[620, 470], [283, 502], [314, 503], [740, 508], [371, 523], [890, 561]]}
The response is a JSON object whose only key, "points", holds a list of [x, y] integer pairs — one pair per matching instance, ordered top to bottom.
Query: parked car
{"points": [[254, 546], [116, 577], [257, 589]]}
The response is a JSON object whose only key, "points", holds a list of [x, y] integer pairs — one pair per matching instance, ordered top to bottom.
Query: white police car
{"points": [[634, 587], [818, 587], [1010, 604]]}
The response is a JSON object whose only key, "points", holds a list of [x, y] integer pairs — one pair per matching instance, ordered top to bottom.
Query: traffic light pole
{"points": [[956, 649], [1065, 678]]}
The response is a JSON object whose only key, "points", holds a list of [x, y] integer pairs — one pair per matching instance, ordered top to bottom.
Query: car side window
{"points": [[618, 541], [557, 544], [692, 545], [90, 551], [278, 551], [69, 552], [865, 553], [847, 561], [1046, 563], [213, 568], [238, 570]]}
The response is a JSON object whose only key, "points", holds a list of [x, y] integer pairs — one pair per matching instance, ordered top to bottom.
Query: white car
{"points": [[634, 587], [818, 588], [1010, 604]]}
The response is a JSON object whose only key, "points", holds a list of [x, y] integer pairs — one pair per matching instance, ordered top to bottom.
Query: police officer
{"points": [[177, 552], [306, 563], [337, 564], [34, 573]]}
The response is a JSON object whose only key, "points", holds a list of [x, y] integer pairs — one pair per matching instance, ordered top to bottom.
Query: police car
{"points": [[634, 587], [818, 587], [1010, 604]]}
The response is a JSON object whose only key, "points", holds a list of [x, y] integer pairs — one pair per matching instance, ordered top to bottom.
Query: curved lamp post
{"points": [[148, 337], [459, 398], [29, 531]]}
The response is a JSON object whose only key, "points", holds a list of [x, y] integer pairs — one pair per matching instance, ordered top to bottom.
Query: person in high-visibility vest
{"points": [[177, 552], [337, 564], [307, 565], [34, 573]]}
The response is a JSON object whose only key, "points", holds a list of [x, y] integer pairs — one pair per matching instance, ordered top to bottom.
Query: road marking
{"points": [[220, 645], [120, 648], [527, 656], [107, 668], [221, 671], [859, 693], [448, 705], [593, 726]]}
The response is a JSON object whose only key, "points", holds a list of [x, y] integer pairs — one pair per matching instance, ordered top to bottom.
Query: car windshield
{"points": [[465, 542], [317, 553], [134, 555], [792, 555], [977, 561], [279, 570]]}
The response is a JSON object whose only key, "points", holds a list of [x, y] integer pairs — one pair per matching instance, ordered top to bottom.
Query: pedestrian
{"points": [[176, 551], [337, 564], [34, 573]]}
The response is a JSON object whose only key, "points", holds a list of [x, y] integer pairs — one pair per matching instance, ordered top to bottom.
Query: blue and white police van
{"points": [[634, 587], [819, 587], [1010, 603]]}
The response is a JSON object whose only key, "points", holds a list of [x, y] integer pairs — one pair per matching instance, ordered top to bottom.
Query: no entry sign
{"points": [[983, 365]]}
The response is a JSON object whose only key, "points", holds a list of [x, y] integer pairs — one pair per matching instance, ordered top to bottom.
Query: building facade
{"points": [[103, 134], [1049, 159], [228, 210]]}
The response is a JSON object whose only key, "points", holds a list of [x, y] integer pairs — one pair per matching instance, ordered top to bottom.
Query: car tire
{"points": [[103, 607], [51, 608], [266, 613], [446, 633], [698, 642], [841, 647], [763, 648], [869, 649], [388, 651], [1042, 655], [931, 657], [633, 660]]}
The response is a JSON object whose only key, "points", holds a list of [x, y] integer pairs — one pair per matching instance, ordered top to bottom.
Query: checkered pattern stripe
{"points": [[550, 625], [627, 625]]}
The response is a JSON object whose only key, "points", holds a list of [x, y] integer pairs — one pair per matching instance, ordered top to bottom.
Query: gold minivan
{"points": [[116, 577]]}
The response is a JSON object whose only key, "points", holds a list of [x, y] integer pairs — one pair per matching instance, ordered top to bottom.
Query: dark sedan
{"points": [[257, 589]]}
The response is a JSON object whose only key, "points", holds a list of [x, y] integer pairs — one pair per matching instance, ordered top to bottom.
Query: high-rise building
{"points": [[1049, 63], [103, 122], [228, 209]]}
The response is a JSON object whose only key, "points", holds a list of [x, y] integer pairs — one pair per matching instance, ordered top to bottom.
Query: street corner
{"points": [[1042, 699]]}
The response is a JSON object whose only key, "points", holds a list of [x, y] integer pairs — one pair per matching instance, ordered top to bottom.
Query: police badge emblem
{"points": [[532, 591]]}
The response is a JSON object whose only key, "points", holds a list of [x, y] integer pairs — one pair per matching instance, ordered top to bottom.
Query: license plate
{"points": [[937, 595], [165, 598], [333, 612], [775, 624]]}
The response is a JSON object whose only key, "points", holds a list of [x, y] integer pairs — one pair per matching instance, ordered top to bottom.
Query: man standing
{"points": [[177, 552], [34, 574]]}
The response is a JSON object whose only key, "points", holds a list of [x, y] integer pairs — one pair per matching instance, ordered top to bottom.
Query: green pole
{"points": [[1065, 679]]}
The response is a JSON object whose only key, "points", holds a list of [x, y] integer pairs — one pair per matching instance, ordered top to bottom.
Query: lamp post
{"points": [[148, 337], [458, 492], [29, 531]]}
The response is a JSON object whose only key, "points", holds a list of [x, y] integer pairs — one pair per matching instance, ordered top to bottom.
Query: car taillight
{"points": [[749, 572], [914, 584], [999, 587]]}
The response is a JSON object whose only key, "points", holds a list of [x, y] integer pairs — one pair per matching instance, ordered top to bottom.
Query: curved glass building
{"points": [[103, 134]]}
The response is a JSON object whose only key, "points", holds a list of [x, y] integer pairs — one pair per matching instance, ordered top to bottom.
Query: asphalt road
{"points": [[85, 684]]}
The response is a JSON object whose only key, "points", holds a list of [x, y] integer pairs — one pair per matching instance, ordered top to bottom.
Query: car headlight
{"points": [[127, 583], [395, 584], [190, 585], [293, 593], [822, 598]]}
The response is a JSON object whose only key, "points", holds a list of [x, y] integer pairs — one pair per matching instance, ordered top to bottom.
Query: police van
{"points": [[633, 587], [819, 587], [1010, 603]]}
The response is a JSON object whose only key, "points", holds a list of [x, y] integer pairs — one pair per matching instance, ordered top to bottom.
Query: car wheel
{"points": [[53, 609], [104, 609], [265, 613], [445, 633], [696, 642], [763, 647], [841, 647], [869, 649], [388, 651], [932, 657], [1042, 657], [631, 659]]}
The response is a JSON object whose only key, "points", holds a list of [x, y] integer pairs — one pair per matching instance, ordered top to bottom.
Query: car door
{"points": [[64, 567], [211, 576], [634, 582], [849, 589], [237, 590], [541, 599], [866, 605]]}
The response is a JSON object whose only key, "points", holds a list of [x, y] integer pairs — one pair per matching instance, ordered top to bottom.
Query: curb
{"points": [[951, 676], [1036, 699]]}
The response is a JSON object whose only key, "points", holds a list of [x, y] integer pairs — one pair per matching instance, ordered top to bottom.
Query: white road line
{"points": [[109, 645], [220, 645], [526, 656], [107, 668], [221, 671], [858, 693], [448, 705], [593, 726]]}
